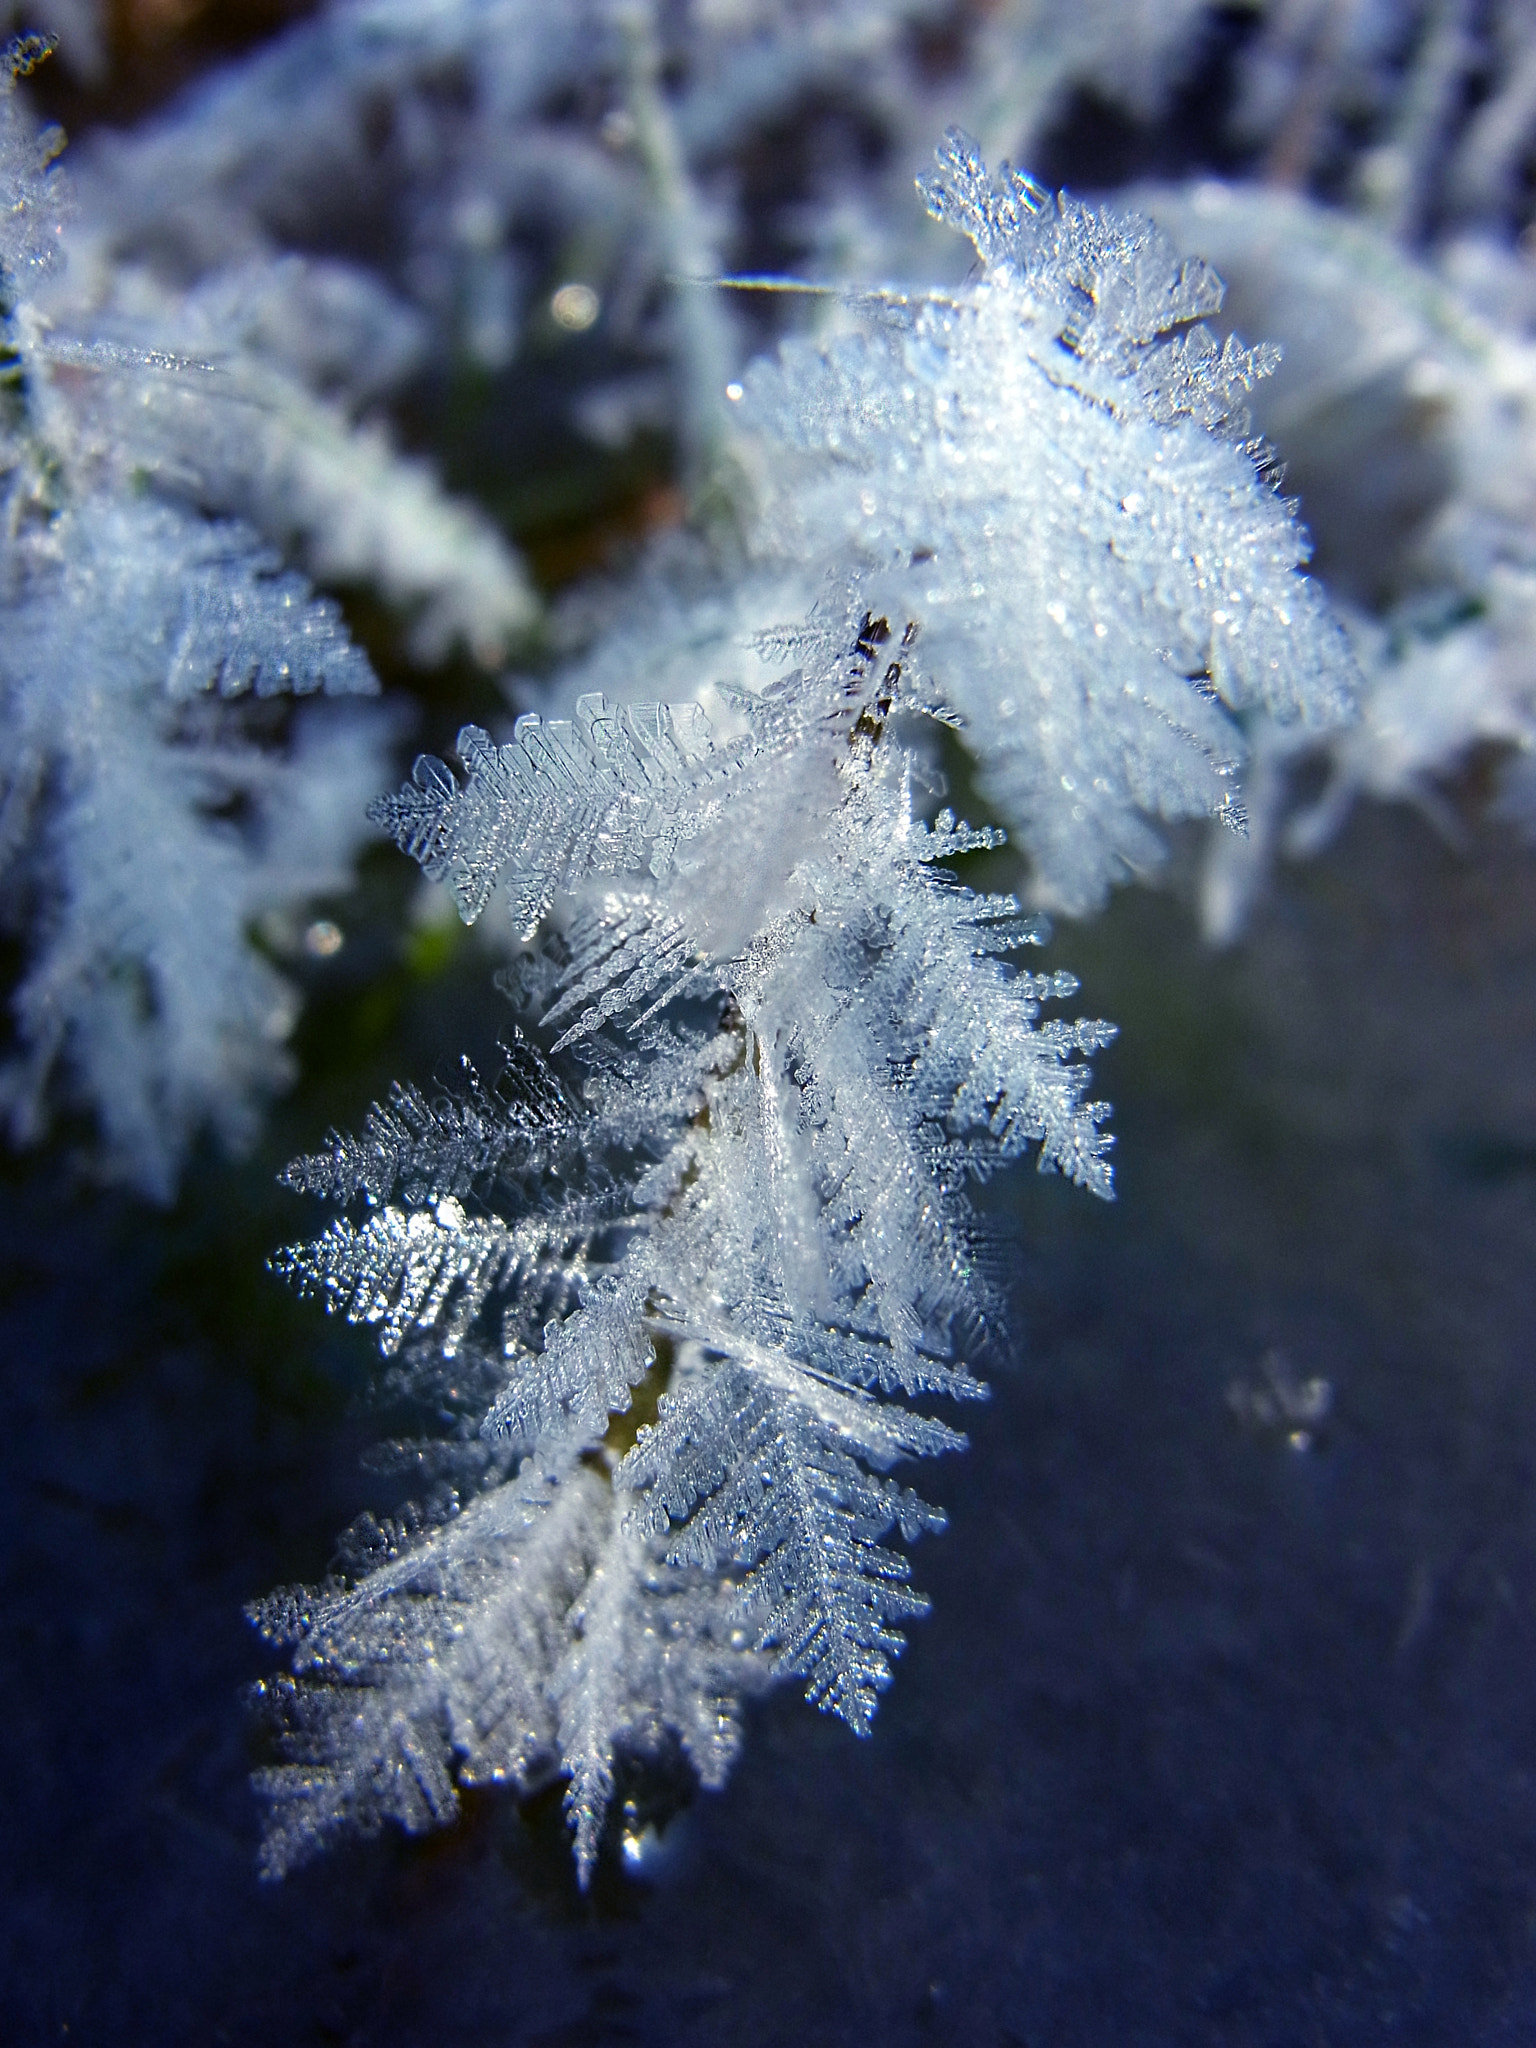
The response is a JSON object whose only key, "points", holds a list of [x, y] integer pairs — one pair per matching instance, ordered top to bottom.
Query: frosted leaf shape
{"points": [[1111, 284], [602, 792], [148, 822], [452, 1144], [754, 1228]]}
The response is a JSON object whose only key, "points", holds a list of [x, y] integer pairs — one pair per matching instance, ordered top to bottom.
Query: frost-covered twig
{"points": [[148, 816], [803, 1035]]}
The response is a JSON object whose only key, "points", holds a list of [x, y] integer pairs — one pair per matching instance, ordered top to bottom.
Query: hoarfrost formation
{"points": [[802, 1037]]}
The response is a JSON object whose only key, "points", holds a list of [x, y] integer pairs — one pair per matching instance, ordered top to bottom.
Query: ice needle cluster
{"points": [[1050, 467], [157, 800], [801, 1036], [684, 1299]]}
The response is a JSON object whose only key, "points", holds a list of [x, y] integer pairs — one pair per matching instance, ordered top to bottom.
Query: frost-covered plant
{"points": [[471, 152], [1405, 410], [273, 413], [1052, 469], [154, 801], [801, 1036], [759, 1209]]}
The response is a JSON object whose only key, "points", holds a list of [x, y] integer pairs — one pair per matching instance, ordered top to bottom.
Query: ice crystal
{"points": [[1406, 413], [1041, 469], [1051, 469], [601, 793], [150, 814], [803, 1036]]}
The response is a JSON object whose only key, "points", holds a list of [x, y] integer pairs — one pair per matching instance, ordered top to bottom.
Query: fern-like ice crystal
{"points": [[801, 1043]]}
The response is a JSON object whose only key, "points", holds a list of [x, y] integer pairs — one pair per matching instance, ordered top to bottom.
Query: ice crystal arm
{"points": [[221, 614], [601, 793], [982, 1063], [452, 1144], [435, 1268], [583, 1374], [766, 1482], [523, 1632], [588, 1690], [388, 1693]]}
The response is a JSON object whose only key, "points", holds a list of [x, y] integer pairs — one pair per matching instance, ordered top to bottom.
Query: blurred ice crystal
{"points": [[1406, 413], [148, 819]]}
